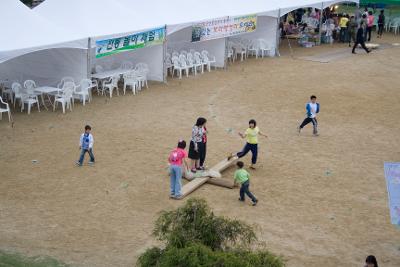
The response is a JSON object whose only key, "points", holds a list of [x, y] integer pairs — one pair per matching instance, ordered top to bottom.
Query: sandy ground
{"points": [[323, 201]]}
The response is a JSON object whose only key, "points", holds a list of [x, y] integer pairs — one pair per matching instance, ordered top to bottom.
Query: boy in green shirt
{"points": [[242, 177]]}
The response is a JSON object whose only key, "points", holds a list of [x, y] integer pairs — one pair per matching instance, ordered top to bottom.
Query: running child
{"points": [[312, 109], [251, 135], [86, 146], [176, 159], [242, 177]]}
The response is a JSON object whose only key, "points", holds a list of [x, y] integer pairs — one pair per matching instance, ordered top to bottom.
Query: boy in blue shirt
{"points": [[312, 109], [86, 145]]}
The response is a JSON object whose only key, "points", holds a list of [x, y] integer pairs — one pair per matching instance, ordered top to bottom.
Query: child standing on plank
{"points": [[312, 109], [251, 135], [86, 145], [196, 148], [176, 159], [242, 177]]}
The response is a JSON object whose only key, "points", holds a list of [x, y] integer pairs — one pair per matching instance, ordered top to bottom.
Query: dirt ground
{"points": [[322, 201]]}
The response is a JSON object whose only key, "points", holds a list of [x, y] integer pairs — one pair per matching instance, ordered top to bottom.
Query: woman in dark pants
{"points": [[360, 39], [196, 144], [203, 148]]}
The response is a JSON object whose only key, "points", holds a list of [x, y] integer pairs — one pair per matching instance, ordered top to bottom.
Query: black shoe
{"points": [[353, 52], [241, 199], [255, 202]]}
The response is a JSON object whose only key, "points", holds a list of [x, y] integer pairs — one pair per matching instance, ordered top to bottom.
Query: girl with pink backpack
{"points": [[176, 159]]}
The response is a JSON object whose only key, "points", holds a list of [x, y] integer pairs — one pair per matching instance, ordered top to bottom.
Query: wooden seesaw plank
{"points": [[225, 164], [199, 181], [221, 182], [193, 185]]}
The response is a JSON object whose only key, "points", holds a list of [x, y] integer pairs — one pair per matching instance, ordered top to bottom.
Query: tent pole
{"points": [[320, 24], [278, 34], [226, 54], [88, 59], [165, 71]]}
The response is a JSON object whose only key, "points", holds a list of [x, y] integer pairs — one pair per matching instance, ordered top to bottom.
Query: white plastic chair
{"points": [[394, 25], [264, 48], [253, 49], [184, 52], [175, 54], [208, 59], [199, 60], [191, 61], [185, 64], [126, 65], [177, 68], [142, 69], [64, 80], [131, 80], [111, 85], [30, 87], [83, 90], [17, 91], [66, 97], [30, 100], [6, 109]]}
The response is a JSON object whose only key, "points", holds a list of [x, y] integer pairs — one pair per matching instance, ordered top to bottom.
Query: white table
{"points": [[110, 73], [47, 90]]}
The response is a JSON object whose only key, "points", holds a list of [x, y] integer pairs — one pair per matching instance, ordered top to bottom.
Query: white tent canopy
{"points": [[103, 19], [65, 26], [25, 31], [31, 47]]}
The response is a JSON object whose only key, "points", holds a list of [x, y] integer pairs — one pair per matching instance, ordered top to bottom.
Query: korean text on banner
{"points": [[223, 27], [131, 42], [392, 174]]}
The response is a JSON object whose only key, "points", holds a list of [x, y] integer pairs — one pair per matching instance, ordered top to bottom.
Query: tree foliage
{"points": [[194, 236]]}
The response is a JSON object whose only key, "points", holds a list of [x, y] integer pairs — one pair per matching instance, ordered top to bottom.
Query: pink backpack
{"points": [[175, 156]]}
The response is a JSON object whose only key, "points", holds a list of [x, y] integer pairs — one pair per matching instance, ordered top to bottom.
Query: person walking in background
{"points": [[381, 23], [370, 24], [363, 25], [343, 28], [352, 30], [360, 39], [312, 109], [86, 146], [195, 147], [176, 159], [242, 177], [371, 261]]}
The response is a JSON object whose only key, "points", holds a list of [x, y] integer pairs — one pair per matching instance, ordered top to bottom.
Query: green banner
{"points": [[131, 42]]}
